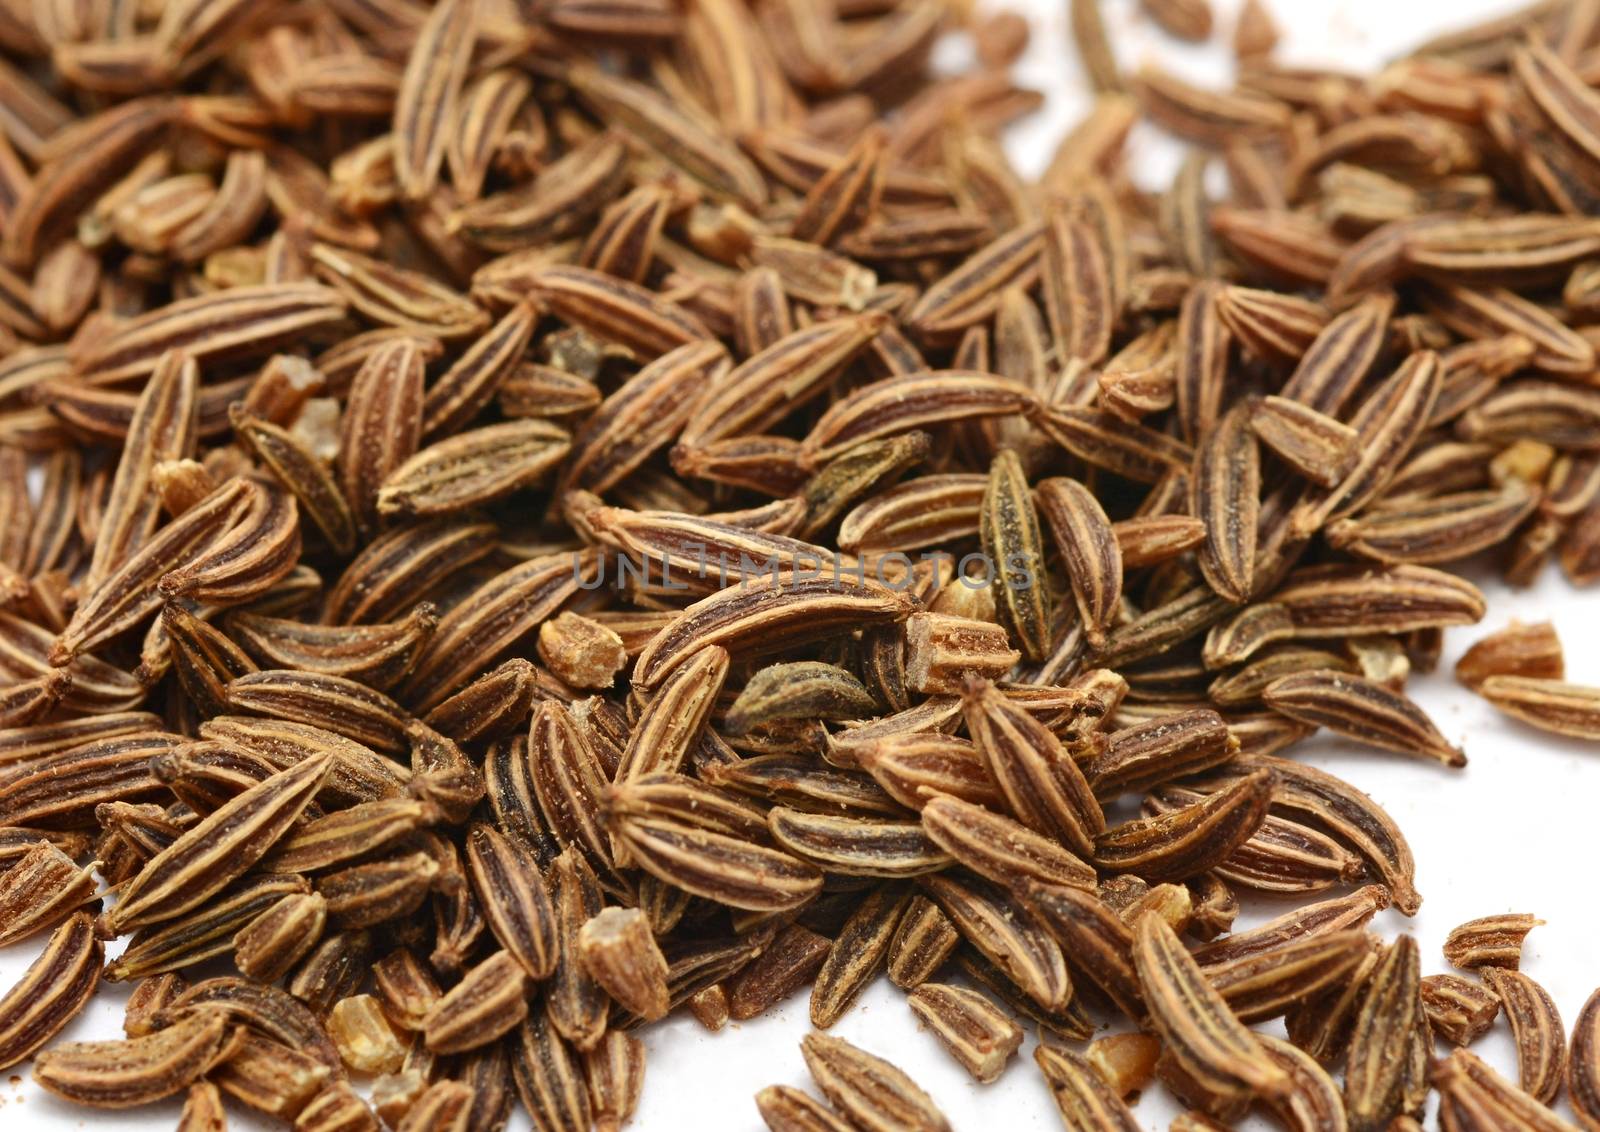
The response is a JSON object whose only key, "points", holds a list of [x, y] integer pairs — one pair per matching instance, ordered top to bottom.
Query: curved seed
{"points": [[1536, 1026]]}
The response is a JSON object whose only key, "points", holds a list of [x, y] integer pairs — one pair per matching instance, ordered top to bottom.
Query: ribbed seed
{"points": [[425, 106], [1090, 547], [1550, 705], [1363, 710], [1043, 786], [1189, 840], [219, 849], [513, 899], [1008, 935], [857, 953], [51, 992], [490, 1000], [1459, 1010], [1200, 1031], [978, 1034], [1583, 1065], [120, 1074], [1375, 1075], [873, 1095], [1083, 1098]]}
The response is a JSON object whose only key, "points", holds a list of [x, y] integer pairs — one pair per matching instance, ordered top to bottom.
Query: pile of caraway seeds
{"points": [[518, 517]]}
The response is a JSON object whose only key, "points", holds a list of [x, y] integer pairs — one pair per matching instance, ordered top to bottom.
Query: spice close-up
{"points": [[539, 537]]}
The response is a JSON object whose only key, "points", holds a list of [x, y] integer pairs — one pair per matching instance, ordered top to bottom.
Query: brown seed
{"points": [[1091, 549], [781, 611], [941, 651], [1550, 705], [1363, 710], [1043, 786], [1190, 840], [220, 848], [1491, 941], [922, 943], [270, 945], [620, 953], [857, 953], [792, 958], [1269, 983], [51, 992], [489, 1001], [1459, 1010], [1537, 1028], [1199, 1030], [978, 1034], [365, 1041], [1125, 1062], [120, 1074], [1582, 1074], [1374, 1078], [873, 1095], [1474, 1096], [1083, 1097], [786, 1109]]}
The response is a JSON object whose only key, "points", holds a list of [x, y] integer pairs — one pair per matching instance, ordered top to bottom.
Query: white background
{"points": [[1515, 831]]}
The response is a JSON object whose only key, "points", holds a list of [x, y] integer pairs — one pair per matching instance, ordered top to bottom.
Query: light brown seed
{"points": [[425, 106], [1090, 547], [781, 610], [1529, 651], [1550, 705], [1042, 785], [1190, 840], [219, 849], [1010, 936], [1491, 941], [922, 943], [620, 953], [54, 988], [490, 1000], [1459, 1010], [1199, 1030], [978, 1034], [364, 1038], [615, 1070], [1583, 1070], [121, 1074], [1375, 1075], [874, 1095], [1082, 1096], [1473, 1096], [786, 1109]]}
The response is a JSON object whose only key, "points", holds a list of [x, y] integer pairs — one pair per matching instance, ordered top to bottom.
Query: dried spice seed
{"points": [[302, 316], [1361, 709], [1492, 941], [620, 953], [55, 987], [489, 1001], [1459, 1010], [1536, 1026], [1199, 1029], [976, 1032], [1582, 1066], [120, 1074], [1374, 1077], [872, 1094]]}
